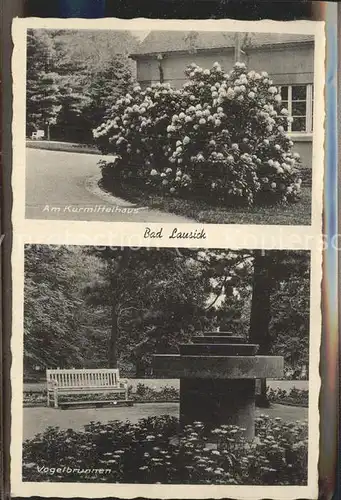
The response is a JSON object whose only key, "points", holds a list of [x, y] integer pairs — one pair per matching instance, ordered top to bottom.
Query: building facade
{"points": [[288, 58]]}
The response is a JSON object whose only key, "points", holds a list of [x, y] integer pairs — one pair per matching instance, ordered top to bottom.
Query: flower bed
{"points": [[220, 138], [142, 394], [146, 394], [294, 397], [156, 451]]}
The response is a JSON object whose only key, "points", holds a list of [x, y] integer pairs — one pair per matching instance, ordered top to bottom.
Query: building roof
{"points": [[183, 41]]}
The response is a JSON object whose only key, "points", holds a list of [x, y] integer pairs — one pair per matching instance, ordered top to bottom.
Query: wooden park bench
{"points": [[80, 381]]}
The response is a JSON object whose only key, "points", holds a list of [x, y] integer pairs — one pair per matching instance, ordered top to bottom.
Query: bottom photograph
{"points": [[164, 365]]}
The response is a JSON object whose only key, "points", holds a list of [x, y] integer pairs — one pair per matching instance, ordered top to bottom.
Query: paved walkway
{"points": [[62, 186], [36, 420]]}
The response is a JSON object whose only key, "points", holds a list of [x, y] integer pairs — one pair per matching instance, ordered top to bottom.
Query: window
{"points": [[298, 99]]}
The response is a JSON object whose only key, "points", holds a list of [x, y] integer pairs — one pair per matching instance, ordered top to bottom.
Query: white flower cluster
{"points": [[232, 122]]}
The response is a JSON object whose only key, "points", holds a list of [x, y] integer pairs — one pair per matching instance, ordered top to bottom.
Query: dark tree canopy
{"points": [[91, 70], [87, 307]]}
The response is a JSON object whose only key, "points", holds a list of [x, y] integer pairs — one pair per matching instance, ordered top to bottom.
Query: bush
{"points": [[221, 137], [143, 393], [295, 397], [155, 450]]}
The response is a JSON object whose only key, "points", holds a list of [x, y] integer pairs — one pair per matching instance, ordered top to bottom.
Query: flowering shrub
{"points": [[221, 136], [143, 393], [296, 397], [155, 450]]}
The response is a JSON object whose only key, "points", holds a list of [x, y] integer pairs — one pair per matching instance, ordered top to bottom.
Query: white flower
{"points": [[206, 72], [264, 74], [272, 90], [230, 93], [251, 95], [240, 98], [278, 98], [186, 140], [235, 147], [278, 147], [296, 156], [271, 163], [169, 171], [153, 172], [165, 182], [273, 185], [289, 189], [172, 190]]}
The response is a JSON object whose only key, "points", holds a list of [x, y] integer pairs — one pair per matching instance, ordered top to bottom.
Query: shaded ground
{"points": [[298, 213], [36, 420]]}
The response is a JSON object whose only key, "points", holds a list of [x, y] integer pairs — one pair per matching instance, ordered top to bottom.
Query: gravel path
{"points": [[60, 185], [36, 420]]}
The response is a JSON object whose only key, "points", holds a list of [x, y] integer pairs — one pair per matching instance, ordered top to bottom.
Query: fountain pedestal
{"points": [[217, 379]]}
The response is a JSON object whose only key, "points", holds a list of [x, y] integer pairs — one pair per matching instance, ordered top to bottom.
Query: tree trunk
{"points": [[48, 132], [116, 269], [260, 306], [261, 314], [112, 354], [140, 368]]}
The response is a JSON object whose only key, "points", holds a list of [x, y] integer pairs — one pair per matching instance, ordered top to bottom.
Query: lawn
{"points": [[298, 213]]}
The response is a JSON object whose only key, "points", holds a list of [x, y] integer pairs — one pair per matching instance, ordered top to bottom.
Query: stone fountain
{"points": [[218, 373]]}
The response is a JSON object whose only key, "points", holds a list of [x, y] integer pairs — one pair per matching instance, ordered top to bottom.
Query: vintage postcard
{"points": [[169, 125], [167, 258]]}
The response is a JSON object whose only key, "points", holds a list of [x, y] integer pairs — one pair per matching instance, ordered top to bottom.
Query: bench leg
{"points": [[55, 399]]}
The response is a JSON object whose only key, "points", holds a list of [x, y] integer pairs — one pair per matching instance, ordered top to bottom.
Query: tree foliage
{"points": [[91, 70], [118, 306]]}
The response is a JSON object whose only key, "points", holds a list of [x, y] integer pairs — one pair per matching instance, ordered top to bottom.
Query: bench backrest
{"points": [[84, 378]]}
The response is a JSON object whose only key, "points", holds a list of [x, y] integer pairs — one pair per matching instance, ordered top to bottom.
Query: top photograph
{"points": [[170, 126]]}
